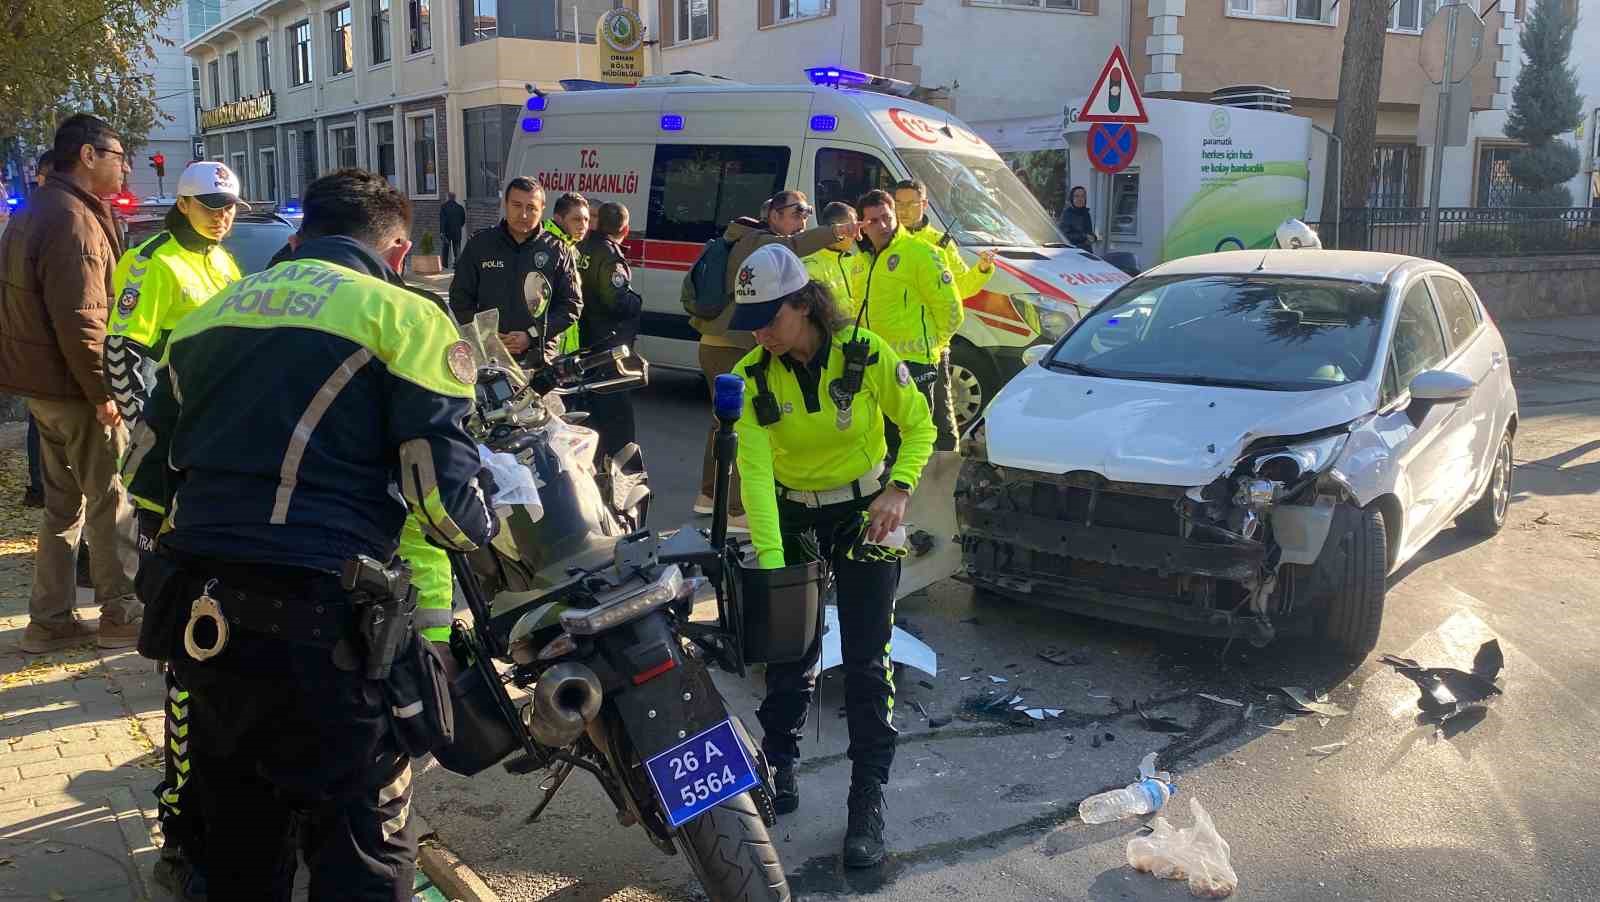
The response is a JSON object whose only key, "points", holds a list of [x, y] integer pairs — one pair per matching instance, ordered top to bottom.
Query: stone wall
{"points": [[1534, 287]]}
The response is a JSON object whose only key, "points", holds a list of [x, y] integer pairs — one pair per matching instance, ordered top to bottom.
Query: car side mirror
{"points": [[1034, 354], [1441, 387]]}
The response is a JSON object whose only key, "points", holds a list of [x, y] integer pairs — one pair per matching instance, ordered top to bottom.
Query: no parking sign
{"points": [[1112, 146]]}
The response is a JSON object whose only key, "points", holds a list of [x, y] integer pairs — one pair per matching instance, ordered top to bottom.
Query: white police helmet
{"points": [[1295, 235]]}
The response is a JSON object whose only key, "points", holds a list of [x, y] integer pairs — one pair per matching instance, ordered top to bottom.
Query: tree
{"points": [[59, 57], [1545, 104], [1355, 117]]}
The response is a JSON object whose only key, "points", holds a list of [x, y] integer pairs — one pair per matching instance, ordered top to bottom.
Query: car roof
{"points": [[1360, 266]]}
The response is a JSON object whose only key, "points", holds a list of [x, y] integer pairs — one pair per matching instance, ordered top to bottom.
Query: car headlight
{"points": [[1045, 319], [1054, 323], [1294, 462]]}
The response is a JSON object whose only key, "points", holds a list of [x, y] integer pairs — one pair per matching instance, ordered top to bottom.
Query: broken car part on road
{"points": [[1448, 692]]}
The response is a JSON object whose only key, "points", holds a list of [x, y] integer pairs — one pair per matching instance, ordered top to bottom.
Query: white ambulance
{"points": [[689, 153]]}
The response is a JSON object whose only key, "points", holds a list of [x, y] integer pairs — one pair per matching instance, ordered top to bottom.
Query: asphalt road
{"points": [[984, 809]]}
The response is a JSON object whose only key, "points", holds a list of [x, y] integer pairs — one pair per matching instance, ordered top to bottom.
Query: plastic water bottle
{"points": [[1143, 797]]}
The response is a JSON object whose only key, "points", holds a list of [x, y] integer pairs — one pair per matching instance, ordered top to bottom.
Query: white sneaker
{"points": [[702, 504]]}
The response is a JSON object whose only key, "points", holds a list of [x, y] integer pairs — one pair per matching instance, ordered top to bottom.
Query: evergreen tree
{"points": [[1545, 104]]}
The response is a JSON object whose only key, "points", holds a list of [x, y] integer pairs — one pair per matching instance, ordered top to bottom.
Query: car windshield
{"points": [[982, 200], [252, 244], [1275, 333]]}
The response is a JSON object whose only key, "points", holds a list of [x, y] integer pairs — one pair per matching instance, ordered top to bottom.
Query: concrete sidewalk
{"points": [[80, 733]]}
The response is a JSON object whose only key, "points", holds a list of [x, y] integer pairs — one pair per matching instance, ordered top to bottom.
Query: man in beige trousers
{"points": [[56, 261]]}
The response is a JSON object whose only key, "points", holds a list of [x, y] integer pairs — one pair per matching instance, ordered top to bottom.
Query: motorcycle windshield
{"points": [[483, 334]]}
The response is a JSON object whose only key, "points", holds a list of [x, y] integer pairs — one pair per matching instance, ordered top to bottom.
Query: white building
{"points": [[998, 58], [172, 80], [424, 92]]}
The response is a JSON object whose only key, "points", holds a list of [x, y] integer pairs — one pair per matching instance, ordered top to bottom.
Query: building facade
{"points": [[986, 59], [425, 92]]}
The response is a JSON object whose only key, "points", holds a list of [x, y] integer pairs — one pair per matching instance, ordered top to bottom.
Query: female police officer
{"points": [[811, 451]]}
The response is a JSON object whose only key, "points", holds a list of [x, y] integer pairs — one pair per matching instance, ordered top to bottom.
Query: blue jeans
{"points": [[35, 475]]}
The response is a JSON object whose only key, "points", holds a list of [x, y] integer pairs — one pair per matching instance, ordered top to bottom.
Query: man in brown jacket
{"points": [[785, 215], [56, 260]]}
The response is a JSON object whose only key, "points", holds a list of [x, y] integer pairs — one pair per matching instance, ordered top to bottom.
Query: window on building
{"points": [[1034, 4], [793, 10], [1288, 10], [203, 15], [1412, 15], [480, 21], [567, 21], [420, 22], [694, 22], [380, 31], [341, 41], [300, 54], [264, 62], [214, 77], [234, 82], [194, 86], [488, 132], [342, 147], [381, 150], [424, 157], [308, 158], [237, 161], [267, 173], [845, 175], [1396, 176], [1495, 185], [697, 189], [1125, 205]]}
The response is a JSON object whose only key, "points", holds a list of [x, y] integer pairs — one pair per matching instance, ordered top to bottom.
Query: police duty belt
{"points": [[301, 621]]}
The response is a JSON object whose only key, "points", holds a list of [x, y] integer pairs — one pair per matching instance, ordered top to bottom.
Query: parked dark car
{"points": [[253, 241]]}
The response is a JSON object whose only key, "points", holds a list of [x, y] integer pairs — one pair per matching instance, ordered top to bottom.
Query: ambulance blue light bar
{"points": [[834, 76], [536, 103], [671, 123], [824, 123], [532, 124], [13, 201], [291, 208]]}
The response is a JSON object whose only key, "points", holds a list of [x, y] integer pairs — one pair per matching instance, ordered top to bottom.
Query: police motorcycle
{"points": [[586, 618]]}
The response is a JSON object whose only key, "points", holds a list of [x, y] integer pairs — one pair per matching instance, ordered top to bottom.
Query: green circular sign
{"points": [[623, 30]]}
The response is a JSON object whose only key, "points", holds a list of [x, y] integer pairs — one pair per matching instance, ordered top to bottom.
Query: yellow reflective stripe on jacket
{"points": [[969, 279], [160, 282], [911, 299], [404, 330], [808, 451], [430, 573]]}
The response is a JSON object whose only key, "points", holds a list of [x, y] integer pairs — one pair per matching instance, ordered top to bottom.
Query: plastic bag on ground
{"points": [[1198, 854]]}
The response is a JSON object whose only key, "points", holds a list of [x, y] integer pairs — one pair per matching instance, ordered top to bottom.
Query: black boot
{"points": [[785, 789], [863, 836], [179, 875]]}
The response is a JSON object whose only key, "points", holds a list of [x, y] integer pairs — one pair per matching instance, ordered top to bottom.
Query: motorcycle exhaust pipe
{"points": [[565, 699]]}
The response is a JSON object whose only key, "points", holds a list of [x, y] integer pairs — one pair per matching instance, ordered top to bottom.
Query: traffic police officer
{"points": [[569, 223], [841, 267], [523, 271], [157, 284], [912, 302], [611, 310], [811, 450], [285, 481]]}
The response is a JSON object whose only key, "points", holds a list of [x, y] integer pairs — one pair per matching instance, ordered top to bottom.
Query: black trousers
{"points": [[452, 247], [933, 380], [612, 417], [866, 622], [178, 796]]}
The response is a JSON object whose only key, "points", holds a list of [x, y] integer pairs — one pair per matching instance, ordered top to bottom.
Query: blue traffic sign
{"points": [[1112, 146]]}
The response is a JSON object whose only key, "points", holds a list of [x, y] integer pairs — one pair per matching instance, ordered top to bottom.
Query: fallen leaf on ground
{"points": [[1220, 699]]}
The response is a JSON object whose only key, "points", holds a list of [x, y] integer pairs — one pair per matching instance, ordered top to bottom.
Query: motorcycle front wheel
{"points": [[731, 852]]}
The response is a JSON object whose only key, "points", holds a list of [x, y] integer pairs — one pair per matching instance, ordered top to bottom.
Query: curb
{"points": [[451, 875]]}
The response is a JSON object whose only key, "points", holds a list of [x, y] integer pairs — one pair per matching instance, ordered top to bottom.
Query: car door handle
{"points": [[1496, 360]]}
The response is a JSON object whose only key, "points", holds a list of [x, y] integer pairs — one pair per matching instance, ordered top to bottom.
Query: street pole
{"points": [[1439, 131], [161, 186]]}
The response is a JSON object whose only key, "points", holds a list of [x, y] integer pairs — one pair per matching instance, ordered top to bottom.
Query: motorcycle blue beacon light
{"points": [[834, 76], [671, 123], [824, 123], [531, 124], [729, 403]]}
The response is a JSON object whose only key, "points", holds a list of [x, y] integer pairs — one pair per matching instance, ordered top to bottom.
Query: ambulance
{"points": [[688, 153]]}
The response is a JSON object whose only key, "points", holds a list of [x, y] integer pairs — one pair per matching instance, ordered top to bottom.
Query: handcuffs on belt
{"points": [[205, 608]]}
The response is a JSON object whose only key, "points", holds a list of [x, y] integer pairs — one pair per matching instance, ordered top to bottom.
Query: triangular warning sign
{"points": [[1115, 96]]}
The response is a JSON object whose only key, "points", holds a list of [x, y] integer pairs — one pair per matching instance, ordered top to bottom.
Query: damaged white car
{"points": [[1244, 444]]}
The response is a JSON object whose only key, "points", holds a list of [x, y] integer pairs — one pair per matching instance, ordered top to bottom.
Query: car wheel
{"points": [[972, 383], [1487, 516], [1354, 611]]}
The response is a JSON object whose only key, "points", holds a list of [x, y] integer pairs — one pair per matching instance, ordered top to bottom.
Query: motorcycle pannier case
{"points": [[780, 611], [483, 736]]}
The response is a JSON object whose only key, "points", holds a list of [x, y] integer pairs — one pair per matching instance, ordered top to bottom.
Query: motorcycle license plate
{"points": [[700, 773]]}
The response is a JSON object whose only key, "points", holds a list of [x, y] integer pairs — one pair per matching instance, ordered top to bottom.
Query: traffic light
{"points": [[158, 162]]}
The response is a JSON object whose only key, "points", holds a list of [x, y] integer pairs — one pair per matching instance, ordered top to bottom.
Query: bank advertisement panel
{"points": [[1232, 176]]}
